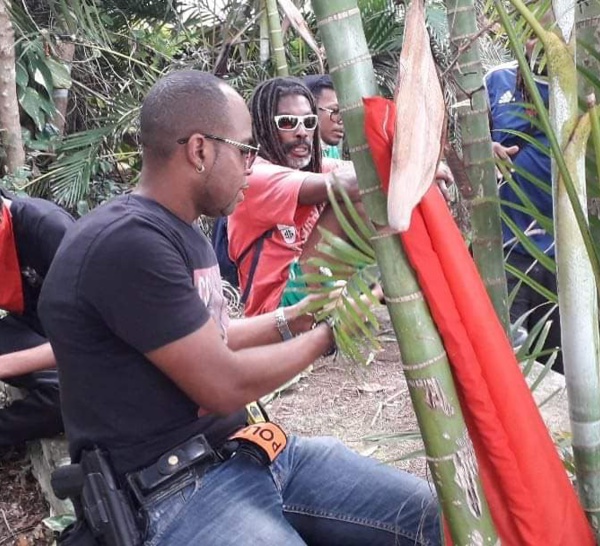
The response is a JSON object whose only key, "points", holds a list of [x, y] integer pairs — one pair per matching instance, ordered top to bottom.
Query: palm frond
{"points": [[348, 271]]}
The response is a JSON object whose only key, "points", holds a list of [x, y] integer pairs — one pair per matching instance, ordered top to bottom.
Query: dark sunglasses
{"points": [[334, 114], [287, 122], [248, 151]]}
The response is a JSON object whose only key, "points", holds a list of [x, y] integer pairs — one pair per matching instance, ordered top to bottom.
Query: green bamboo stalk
{"points": [[587, 22], [264, 37], [276, 38], [554, 48], [595, 131], [478, 159], [577, 292], [584, 390], [448, 448]]}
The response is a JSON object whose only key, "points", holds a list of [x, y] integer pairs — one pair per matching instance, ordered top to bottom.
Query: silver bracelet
{"points": [[282, 325]]}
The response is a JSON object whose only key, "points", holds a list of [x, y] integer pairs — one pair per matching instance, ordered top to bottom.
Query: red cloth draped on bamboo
{"points": [[11, 288], [531, 499]]}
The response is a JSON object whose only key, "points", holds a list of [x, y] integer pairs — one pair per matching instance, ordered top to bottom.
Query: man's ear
{"points": [[196, 150]]}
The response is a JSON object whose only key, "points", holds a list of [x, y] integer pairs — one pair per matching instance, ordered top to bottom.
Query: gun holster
{"points": [[105, 515], [77, 534]]}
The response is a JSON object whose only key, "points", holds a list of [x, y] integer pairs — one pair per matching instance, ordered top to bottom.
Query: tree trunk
{"points": [[587, 23], [277, 49], [65, 52], [9, 105], [477, 154], [577, 295], [583, 382], [449, 450]]}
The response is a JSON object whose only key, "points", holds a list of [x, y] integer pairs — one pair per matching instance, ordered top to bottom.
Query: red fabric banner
{"points": [[11, 289], [531, 499]]}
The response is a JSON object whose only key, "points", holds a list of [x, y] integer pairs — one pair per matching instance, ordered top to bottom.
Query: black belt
{"points": [[262, 441]]}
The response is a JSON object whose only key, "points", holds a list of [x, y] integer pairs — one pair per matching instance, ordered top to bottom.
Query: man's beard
{"points": [[298, 162]]}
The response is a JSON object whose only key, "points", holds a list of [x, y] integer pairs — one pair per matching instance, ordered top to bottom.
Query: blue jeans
{"points": [[317, 492]]}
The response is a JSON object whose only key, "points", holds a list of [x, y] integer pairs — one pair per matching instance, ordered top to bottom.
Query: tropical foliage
{"points": [[120, 49]]}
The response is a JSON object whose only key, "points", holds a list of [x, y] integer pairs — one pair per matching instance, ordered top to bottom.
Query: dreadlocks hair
{"points": [[263, 108]]}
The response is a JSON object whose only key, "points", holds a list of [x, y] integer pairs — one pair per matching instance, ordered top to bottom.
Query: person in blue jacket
{"points": [[511, 110]]}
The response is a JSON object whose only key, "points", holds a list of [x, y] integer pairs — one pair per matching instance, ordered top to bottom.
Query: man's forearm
{"points": [[262, 329], [27, 361]]}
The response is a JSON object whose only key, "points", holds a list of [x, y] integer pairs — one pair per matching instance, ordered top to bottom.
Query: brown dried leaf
{"points": [[295, 18], [419, 122]]}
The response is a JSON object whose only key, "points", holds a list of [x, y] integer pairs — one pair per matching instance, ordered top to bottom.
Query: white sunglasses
{"points": [[288, 122]]}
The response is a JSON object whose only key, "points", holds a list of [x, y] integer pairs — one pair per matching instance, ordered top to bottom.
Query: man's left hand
{"points": [[444, 178]]}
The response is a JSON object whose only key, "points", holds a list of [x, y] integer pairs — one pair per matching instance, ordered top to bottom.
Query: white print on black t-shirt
{"points": [[288, 233], [210, 290]]}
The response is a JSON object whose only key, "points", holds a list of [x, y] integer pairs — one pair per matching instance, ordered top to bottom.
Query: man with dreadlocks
{"points": [[511, 111], [287, 193], [30, 231]]}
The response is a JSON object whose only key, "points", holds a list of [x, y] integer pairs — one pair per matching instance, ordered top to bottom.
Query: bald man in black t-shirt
{"points": [[30, 232], [154, 373]]}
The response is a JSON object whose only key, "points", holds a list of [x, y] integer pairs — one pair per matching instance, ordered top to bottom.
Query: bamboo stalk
{"points": [[587, 22], [264, 37], [276, 38], [472, 113], [577, 292], [583, 382], [449, 451]]}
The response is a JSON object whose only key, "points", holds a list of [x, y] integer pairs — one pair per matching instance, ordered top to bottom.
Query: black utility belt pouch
{"points": [[191, 453]]}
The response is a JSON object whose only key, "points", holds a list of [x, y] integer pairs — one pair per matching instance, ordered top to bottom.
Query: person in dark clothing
{"points": [[510, 111], [31, 230], [151, 368]]}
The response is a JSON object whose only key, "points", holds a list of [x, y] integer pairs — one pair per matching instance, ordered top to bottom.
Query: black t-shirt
{"points": [[39, 227], [130, 277]]}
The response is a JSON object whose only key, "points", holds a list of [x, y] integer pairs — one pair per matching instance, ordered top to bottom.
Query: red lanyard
{"points": [[11, 287]]}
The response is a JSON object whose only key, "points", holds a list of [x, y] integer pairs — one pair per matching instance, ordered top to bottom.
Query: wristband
{"points": [[330, 321], [282, 325]]}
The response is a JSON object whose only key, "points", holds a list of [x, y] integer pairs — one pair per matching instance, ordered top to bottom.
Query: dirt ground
{"points": [[336, 398], [367, 407], [22, 507]]}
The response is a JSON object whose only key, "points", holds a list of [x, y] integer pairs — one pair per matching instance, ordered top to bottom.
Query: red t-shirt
{"points": [[271, 202], [11, 288]]}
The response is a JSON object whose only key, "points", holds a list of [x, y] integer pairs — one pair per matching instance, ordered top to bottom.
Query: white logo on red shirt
{"points": [[288, 233]]}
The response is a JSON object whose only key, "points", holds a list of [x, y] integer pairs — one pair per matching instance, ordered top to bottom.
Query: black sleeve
{"points": [[51, 229], [142, 286]]}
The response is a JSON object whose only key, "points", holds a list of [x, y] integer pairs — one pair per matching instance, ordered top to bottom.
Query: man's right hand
{"points": [[504, 153], [345, 177], [314, 188]]}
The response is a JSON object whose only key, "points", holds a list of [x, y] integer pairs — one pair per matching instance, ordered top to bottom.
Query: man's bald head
{"points": [[180, 104]]}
